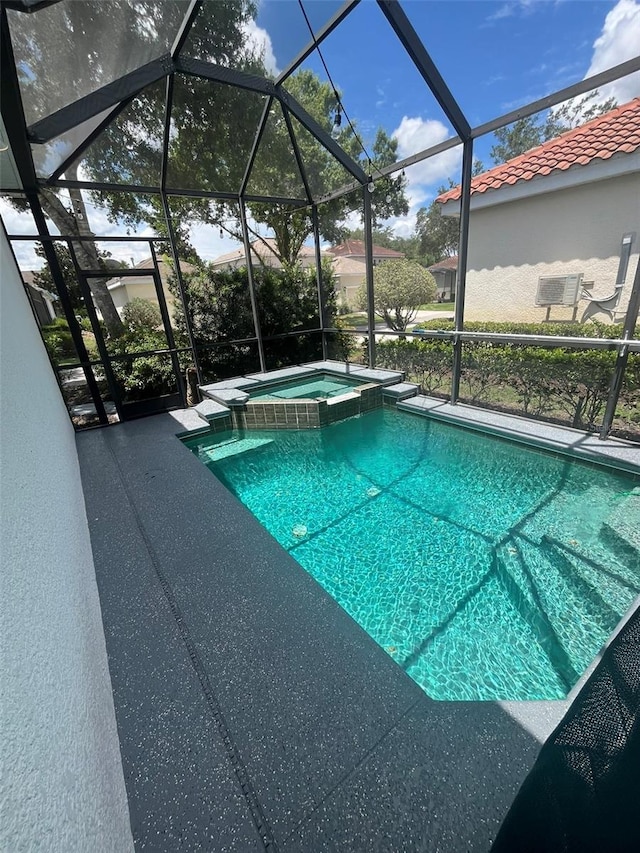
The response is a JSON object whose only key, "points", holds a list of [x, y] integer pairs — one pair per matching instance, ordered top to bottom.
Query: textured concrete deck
{"points": [[253, 713]]}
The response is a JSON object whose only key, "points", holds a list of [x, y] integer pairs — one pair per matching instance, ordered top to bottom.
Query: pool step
{"points": [[399, 391], [210, 410], [235, 447], [621, 531], [562, 590]]}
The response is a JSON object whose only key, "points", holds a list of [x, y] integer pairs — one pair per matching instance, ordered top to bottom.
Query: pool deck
{"points": [[253, 712]]}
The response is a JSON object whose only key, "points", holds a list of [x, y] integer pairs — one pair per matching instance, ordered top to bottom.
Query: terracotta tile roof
{"points": [[614, 132], [355, 249], [445, 264]]}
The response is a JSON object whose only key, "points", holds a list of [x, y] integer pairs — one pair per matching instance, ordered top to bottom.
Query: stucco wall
{"points": [[575, 230], [61, 782]]}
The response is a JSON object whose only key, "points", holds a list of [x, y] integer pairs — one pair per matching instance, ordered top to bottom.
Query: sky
{"points": [[493, 56]]}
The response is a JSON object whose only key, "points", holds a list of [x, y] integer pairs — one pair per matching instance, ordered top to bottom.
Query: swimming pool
{"points": [[318, 387], [485, 569]]}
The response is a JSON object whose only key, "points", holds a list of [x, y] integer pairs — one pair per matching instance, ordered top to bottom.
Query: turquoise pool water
{"points": [[319, 387], [485, 569]]}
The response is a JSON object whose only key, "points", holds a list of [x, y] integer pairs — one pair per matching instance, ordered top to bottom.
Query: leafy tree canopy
{"points": [[527, 133], [437, 235], [399, 288]]}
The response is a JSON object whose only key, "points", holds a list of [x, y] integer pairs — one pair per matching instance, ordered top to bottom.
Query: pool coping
{"points": [[614, 452], [311, 724]]}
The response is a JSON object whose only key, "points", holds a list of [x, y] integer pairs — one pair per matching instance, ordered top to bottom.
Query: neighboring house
{"points": [[554, 232], [262, 253], [348, 261], [350, 267], [445, 272], [125, 288], [41, 300]]}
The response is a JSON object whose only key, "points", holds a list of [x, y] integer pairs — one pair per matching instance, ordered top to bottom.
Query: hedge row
{"points": [[592, 329], [545, 382]]}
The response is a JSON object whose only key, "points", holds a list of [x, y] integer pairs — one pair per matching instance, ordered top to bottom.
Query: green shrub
{"points": [[141, 315], [58, 341], [551, 382]]}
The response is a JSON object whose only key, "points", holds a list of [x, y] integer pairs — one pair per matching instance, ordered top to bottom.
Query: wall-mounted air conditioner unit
{"points": [[559, 289]]}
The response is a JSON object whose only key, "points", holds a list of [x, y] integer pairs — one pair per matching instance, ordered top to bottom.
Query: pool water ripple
{"points": [[477, 564]]}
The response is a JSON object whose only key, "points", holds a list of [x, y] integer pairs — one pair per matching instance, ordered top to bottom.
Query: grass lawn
{"points": [[438, 306], [358, 318]]}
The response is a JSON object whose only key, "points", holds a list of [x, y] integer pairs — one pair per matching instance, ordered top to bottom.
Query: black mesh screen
{"points": [[583, 792]]}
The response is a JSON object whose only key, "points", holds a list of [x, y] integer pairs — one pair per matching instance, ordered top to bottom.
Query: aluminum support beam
{"points": [[185, 28], [316, 41], [411, 42], [222, 74], [594, 82], [102, 99], [168, 100], [12, 111], [95, 133], [324, 138], [256, 144], [297, 155], [392, 168], [154, 190], [368, 257], [461, 277], [252, 288], [184, 299], [67, 307], [322, 308], [629, 327], [168, 328]]}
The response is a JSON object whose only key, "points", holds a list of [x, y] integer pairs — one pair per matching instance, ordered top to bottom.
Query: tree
{"points": [[49, 81], [527, 133], [275, 172], [437, 235], [44, 278], [399, 288], [220, 309]]}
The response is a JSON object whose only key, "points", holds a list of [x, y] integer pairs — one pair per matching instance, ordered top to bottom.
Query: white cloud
{"points": [[259, 40], [618, 41], [416, 134]]}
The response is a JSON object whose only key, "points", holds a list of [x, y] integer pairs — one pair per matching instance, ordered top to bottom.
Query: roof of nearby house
{"points": [[617, 131], [355, 248], [260, 250], [445, 264], [349, 266], [165, 270]]}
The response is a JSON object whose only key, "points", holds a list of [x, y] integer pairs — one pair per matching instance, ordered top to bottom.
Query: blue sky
{"points": [[494, 56]]}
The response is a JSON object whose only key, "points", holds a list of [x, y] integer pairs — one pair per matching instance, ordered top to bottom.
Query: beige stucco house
{"points": [[554, 233], [348, 262], [349, 265], [125, 288]]}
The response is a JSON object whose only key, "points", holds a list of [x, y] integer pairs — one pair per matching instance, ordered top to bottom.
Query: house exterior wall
{"points": [[576, 230], [348, 286], [142, 288], [61, 785]]}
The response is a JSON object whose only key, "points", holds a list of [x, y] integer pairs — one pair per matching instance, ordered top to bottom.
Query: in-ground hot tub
{"points": [[321, 386], [302, 397]]}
